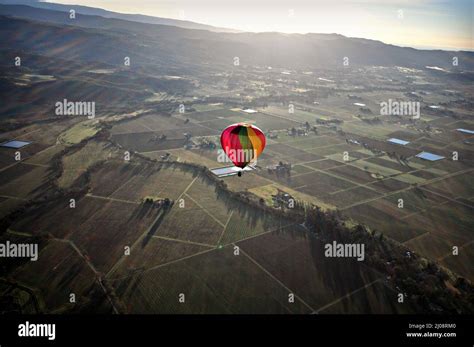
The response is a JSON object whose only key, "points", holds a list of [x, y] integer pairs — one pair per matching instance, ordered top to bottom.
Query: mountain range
{"points": [[92, 11], [108, 40]]}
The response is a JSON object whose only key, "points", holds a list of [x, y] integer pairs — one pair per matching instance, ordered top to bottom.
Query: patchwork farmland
{"points": [[130, 218]]}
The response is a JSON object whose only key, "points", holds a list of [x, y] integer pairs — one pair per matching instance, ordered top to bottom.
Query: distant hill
{"points": [[92, 11], [108, 40]]}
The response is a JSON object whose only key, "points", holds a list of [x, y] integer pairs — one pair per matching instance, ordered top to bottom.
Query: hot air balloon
{"points": [[242, 143]]}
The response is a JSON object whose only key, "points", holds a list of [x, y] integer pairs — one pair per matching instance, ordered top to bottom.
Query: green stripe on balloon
{"points": [[244, 139]]}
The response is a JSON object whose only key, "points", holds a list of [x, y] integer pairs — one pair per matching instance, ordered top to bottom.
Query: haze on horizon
{"points": [[429, 24]]}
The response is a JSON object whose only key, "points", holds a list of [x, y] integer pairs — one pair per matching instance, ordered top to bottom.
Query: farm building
{"points": [[466, 131], [398, 141], [15, 144], [429, 156], [229, 170]]}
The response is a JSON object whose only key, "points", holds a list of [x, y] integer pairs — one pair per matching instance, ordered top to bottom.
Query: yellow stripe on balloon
{"points": [[255, 140]]}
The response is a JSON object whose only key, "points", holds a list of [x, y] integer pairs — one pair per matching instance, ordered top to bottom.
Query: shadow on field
{"points": [[156, 224]]}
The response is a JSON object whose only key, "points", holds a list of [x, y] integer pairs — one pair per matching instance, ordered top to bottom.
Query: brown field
{"points": [[214, 115], [208, 116], [267, 122], [148, 123], [133, 126], [216, 126], [194, 129], [140, 134], [144, 142], [312, 142], [425, 142], [284, 150], [331, 150], [26, 152], [358, 154], [45, 156], [187, 156], [204, 157], [6, 158], [77, 162], [324, 164], [391, 164], [451, 166], [300, 169], [15, 172], [353, 174], [424, 174], [112, 175], [23, 180], [154, 181], [246, 182], [320, 182], [388, 185], [454, 187], [316, 190], [267, 192], [202, 193], [351, 196], [416, 200], [8, 205], [384, 218], [44, 219], [191, 223], [453, 223], [244, 225], [99, 227], [113, 227], [430, 246], [157, 251], [58, 272], [319, 280], [213, 282], [377, 298]]}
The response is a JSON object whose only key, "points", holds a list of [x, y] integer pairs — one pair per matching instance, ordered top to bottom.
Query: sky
{"points": [[445, 24]]}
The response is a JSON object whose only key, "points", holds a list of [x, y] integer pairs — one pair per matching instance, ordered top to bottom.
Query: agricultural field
{"points": [[79, 132], [75, 163], [22, 180], [368, 186], [266, 192], [130, 217], [59, 271], [315, 281], [226, 284], [375, 298]]}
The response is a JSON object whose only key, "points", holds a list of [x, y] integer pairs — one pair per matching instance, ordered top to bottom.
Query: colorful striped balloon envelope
{"points": [[242, 143]]}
